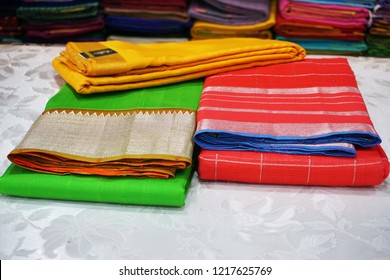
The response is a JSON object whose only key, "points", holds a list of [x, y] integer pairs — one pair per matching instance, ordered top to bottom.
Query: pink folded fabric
{"points": [[334, 15], [299, 28]]}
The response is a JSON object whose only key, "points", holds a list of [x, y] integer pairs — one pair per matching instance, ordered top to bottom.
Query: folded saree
{"points": [[384, 3], [369, 4], [150, 5], [54, 12], [230, 12], [319, 13], [148, 14], [306, 20], [135, 25], [380, 28], [307, 29], [64, 30], [206, 30], [318, 46], [378, 46], [118, 65], [308, 107], [143, 133], [370, 167], [18, 181]]}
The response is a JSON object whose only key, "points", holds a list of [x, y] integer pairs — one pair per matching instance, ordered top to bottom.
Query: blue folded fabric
{"points": [[384, 3], [147, 26], [328, 46], [336, 144]]}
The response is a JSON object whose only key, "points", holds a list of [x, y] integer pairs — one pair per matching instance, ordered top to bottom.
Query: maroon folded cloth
{"points": [[154, 5], [10, 27], [63, 30]]}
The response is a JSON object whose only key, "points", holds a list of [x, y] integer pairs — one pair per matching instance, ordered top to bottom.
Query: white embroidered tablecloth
{"points": [[219, 221]]}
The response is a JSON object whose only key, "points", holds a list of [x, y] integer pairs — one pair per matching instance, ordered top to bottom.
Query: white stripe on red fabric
{"points": [[307, 90], [352, 113], [281, 129]]}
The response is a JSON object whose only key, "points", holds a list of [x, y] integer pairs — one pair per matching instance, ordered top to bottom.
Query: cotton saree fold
{"points": [[369, 4], [52, 12], [230, 12], [319, 13], [313, 20], [147, 26], [304, 28], [65, 29], [205, 30], [319, 46], [117, 65], [309, 107], [142, 133], [370, 167], [18, 181]]}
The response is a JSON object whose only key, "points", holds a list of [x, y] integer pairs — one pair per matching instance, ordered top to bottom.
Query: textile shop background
{"points": [[353, 27]]}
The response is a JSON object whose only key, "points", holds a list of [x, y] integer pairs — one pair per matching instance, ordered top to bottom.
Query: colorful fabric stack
{"points": [[147, 18], [228, 18], [61, 21], [10, 29], [341, 31], [378, 37], [116, 65], [299, 123], [130, 146]]}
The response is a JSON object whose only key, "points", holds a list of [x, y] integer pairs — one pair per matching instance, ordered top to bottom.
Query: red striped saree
{"points": [[308, 107], [302, 123]]}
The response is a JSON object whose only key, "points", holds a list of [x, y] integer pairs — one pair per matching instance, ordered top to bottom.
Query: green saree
{"points": [[52, 146]]}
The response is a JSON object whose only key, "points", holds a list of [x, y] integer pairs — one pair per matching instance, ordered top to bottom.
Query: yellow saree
{"points": [[116, 65]]}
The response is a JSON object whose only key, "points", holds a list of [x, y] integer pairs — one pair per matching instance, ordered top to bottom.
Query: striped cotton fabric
{"points": [[308, 107]]}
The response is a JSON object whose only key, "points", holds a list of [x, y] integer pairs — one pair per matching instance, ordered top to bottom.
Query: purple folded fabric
{"points": [[240, 7], [229, 12], [381, 12], [65, 29]]}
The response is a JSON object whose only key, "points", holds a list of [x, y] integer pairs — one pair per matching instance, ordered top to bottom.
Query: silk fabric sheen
{"points": [[116, 65], [308, 107], [144, 133], [18, 181]]}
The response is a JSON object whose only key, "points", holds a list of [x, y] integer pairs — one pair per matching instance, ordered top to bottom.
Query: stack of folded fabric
{"points": [[147, 18], [229, 18], [61, 20], [311, 24], [10, 29], [378, 37], [300, 123], [134, 145]]}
